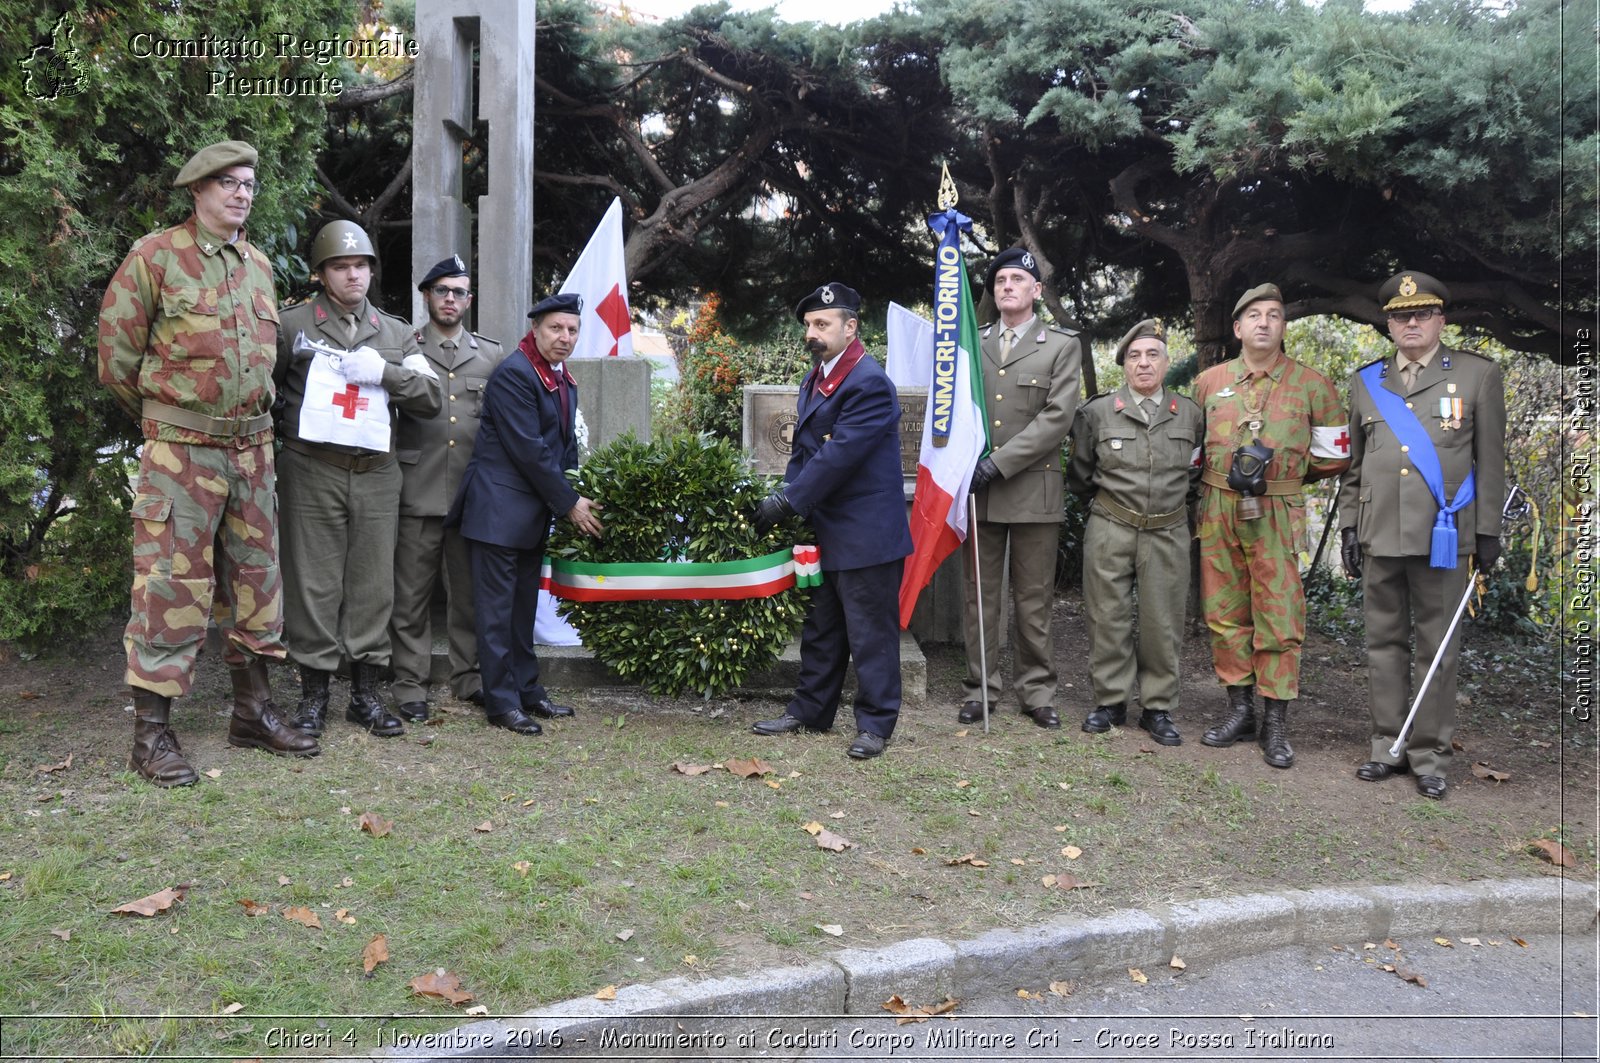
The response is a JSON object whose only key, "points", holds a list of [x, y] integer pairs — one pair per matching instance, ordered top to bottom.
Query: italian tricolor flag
{"points": [[954, 435], [758, 577]]}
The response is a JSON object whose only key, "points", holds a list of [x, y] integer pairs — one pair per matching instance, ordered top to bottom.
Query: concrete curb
{"points": [[926, 970]]}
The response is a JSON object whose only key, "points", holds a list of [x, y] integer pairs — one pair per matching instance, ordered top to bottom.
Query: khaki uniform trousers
{"points": [[427, 552], [1120, 562], [1032, 570]]}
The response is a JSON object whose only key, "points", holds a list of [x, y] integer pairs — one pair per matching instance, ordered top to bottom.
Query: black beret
{"points": [[215, 158], [1013, 258], [449, 267], [1404, 291], [1255, 295], [831, 296], [562, 303]]}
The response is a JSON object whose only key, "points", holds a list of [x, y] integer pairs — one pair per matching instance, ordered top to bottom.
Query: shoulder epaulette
{"points": [[392, 317], [1064, 330], [488, 339], [1097, 395]]}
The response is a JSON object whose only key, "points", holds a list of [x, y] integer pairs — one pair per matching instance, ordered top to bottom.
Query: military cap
{"points": [[214, 159], [1013, 258], [448, 267], [1412, 289], [1255, 295], [831, 296], [560, 303], [1148, 327]]}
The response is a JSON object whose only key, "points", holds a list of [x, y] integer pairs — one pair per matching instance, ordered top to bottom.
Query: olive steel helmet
{"points": [[340, 238]]}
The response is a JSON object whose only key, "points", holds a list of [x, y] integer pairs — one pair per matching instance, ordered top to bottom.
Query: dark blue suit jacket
{"points": [[844, 474], [514, 486]]}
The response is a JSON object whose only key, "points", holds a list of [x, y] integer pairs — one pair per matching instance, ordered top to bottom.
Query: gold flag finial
{"points": [[947, 188]]}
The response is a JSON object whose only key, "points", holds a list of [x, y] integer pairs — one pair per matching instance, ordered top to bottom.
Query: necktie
{"points": [[349, 326], [1008, 339], [1409, 374]]}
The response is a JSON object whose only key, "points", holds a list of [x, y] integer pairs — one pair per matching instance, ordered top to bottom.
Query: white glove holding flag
{"points": [[418, 363], [363, 366]]}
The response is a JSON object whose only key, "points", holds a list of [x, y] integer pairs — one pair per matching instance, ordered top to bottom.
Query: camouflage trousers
{"points": [[204, 522], [1251, 593]]}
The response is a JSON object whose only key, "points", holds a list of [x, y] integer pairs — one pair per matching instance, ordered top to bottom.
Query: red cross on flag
{"points": [[601, 277]]}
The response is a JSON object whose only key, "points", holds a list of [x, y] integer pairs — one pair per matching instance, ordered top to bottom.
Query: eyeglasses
{"points": [[231, 185], [444, 291], [1405, 317]]}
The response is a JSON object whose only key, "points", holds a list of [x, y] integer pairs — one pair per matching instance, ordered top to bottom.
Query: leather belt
{"points": [[222, 427], [350, 462], [1275, 488], [1142, 521]]}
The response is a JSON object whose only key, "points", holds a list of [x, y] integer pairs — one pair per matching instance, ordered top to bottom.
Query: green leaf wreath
{"points": [[684, 498]]}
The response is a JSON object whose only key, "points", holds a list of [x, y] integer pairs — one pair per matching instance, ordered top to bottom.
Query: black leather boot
{"points": [[366, 704], [312, 712], [1241, 721], [1275, 747], [156, 754]]}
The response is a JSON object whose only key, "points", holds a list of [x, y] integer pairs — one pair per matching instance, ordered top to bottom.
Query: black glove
{"points": [[984, 472], [773, 510], [1488, 551], [1350, 552]]}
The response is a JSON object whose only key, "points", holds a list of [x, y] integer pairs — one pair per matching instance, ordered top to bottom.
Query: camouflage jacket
{"points": [[191, 321], [1290, 407]]}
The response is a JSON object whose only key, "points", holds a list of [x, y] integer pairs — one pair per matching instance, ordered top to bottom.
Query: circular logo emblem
{"points": [[1027, 260], [1408, 286], [827, 293], [780, 431]]}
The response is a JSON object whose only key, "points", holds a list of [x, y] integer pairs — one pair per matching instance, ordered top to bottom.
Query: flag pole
{"points": [[977, 596]]}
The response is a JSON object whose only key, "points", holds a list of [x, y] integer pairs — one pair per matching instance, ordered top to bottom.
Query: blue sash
{"points": [[1409, 431]]}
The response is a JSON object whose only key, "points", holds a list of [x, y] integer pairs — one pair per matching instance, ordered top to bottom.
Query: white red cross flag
{"points": [[601, 277]]}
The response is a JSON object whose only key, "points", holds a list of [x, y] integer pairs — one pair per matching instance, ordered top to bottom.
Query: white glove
{"points": [[418, 363], [363, 366]]}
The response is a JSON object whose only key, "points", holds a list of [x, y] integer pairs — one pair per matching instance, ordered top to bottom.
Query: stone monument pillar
{"points": [[500, 34]]}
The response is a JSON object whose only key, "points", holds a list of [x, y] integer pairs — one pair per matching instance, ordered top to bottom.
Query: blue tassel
{"points": [[1443, 554]]}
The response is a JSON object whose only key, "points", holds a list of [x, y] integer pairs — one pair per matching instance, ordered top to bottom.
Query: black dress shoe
{"points": [[475, 698], [546, 709], [416, 711], [368, 712], [971, 712], [1044, 716], [1103, 718], [518, 721], [783, 725], [1161, 727], [867, 745], [1377, 770], [1431, 786]]}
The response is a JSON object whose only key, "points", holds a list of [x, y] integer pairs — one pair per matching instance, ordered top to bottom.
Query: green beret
{"points": [[215, 159], [1411, 289], [1255, 295], [1148, 327]]}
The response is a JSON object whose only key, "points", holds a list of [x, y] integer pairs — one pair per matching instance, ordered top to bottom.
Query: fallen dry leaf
{"points": [[30, 695], [963, 733], [683, 767], [746, 767], [51, 769], [1483, 771], [213, 773], [773, 784], [963, 784], [722, 804], [836, 815], [375, 824], [485, 827], [826, 839], [918, 850], [1553, 851], [1072, 852], [969, 858], [1019, 863], [522, 867], [5, 876], [284, 880], [1065, 881], [344, 883], [156, 902], [251, 908], [304, 916], [344, 916], [831, 929], [64, 935], [624, 935], [1519, 941], [1474, 942], [1389, 943], [1444, 943], [1368, 947], [375, 952], [691, 960], [1178, 965], [1137, 975], [1411, 976], [441, 984], [1062, 989], [608, 993], [1023, 994], [233, 1009], [476, 1009], [910, 1014]]}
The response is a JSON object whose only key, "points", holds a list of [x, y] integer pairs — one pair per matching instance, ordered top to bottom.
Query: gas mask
{"points": [[1248, 476]]}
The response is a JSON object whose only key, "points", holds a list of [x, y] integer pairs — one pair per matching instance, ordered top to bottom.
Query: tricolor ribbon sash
{"points": [[1418, 446], [757, 577]]}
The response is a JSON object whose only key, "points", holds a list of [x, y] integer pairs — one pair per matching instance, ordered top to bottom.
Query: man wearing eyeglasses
{"points": [[188, 329], [434, 451], [1426, 484]]}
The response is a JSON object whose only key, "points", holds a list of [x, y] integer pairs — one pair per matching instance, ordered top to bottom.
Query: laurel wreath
{"points": [[683, 498]]}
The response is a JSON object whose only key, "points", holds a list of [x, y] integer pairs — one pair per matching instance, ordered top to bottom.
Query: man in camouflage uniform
{"points": [[187, 329], [1031, 383], [1456, 401], [1137, 451], [433, 454], [341, 504], [1249, 542]]}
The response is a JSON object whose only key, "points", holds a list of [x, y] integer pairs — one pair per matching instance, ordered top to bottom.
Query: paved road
{"points": [[1487, 1002]]}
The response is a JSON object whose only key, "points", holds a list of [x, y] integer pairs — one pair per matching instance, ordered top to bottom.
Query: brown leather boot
{"points": [[256, 722], [1240, 724], [156, 754]]}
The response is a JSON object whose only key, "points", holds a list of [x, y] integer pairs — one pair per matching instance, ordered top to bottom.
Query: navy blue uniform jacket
{"points": [[844, 475], [514, 486]]}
